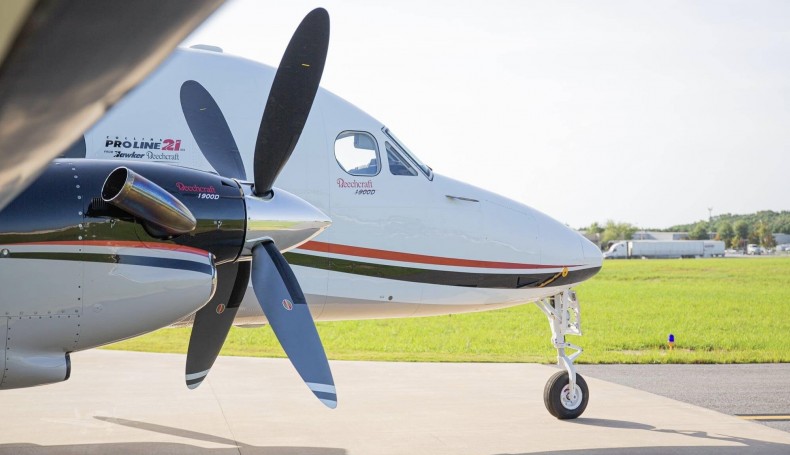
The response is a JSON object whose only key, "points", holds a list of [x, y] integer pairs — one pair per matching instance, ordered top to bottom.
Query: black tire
{"points": [[552, 396]]}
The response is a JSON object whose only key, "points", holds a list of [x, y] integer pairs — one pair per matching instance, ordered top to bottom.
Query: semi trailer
{"points": [[665, 249]]}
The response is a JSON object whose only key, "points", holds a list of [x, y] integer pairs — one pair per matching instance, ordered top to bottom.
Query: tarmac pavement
{"points": [[758, 392], [125, 402]]}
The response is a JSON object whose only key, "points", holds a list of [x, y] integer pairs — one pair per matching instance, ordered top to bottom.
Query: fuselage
{"points": [[404, 240], [78, 272]]}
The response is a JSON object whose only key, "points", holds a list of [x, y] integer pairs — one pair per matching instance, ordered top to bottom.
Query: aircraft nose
{"points": [[519, 231], [559, 244], [562, 246], [592, 254]]}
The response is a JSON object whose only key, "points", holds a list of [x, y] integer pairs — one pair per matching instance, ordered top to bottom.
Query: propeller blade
{"points": [[291, 97], [211, 130], [286, 309], [213, 321]]}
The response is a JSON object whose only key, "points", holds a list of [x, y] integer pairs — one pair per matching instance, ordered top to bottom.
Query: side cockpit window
{"points": [[357, 153], [409, 156], [398, 164]]}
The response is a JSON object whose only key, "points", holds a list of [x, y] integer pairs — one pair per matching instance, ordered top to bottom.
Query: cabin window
{"points": [[357, 153], [398, 164]]}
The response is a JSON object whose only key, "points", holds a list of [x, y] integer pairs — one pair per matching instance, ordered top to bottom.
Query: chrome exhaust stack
{"points": [[145, 199]]}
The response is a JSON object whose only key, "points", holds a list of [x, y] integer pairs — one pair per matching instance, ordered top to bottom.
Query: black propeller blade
{"points": [[291, 97], [211, 130], [276, 288], [285, 307], [213, 321]]}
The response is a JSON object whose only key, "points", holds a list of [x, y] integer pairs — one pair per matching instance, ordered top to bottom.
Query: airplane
{"points": [[149, 220]]}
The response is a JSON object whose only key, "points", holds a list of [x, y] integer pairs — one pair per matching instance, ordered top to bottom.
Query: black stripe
{"points": [[54, 256], [147, 261], [166, 263], [442, 277], [195, 381]]}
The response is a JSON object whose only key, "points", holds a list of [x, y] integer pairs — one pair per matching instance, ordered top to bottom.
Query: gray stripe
{"points": [[197, 375], [316, 387]]}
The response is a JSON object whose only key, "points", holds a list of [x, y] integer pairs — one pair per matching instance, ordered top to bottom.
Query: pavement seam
{"points": [[224, 417]]}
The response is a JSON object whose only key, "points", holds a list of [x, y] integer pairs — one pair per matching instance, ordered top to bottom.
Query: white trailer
{"points": [[669, 249], [713, 249]]}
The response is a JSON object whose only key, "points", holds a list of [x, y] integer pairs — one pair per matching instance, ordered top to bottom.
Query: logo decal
{"points": [[143, 148], [361, 187], [195, 188], [204, 192], [288, 305], [220, 308]]}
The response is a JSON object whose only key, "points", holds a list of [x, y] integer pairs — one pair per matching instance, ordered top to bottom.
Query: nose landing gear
{"points": [[566, 393]]}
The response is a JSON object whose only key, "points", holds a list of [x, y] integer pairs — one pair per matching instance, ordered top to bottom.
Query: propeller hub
{"points": [[287, 220]]}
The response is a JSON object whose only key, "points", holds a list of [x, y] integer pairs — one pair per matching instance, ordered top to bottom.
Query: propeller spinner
{"points": [[272, 216]]}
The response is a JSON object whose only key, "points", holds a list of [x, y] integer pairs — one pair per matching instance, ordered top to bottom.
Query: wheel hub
{"points": [[571, 399]]}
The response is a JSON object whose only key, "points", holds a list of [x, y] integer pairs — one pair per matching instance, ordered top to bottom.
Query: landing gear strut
{"points": [[566, 393]]}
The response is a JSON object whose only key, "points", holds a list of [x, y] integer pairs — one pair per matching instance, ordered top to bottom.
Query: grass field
{"points": [[720, 311]]}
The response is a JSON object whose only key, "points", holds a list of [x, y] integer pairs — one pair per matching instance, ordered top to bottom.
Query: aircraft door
{"points": [[378, 190], [375, 205]]}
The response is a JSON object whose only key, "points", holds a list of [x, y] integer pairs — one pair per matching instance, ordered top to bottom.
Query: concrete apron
{"points": [[124, 402]]}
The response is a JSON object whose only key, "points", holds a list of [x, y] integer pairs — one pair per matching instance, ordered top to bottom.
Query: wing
{"points": [[63, 64]]}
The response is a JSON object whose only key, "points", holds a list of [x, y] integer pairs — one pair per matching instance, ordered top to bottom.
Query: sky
{"points": [[636, 111]]}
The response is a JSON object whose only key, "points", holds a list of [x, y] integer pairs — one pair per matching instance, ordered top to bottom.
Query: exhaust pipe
{"points": [[145, 199]]}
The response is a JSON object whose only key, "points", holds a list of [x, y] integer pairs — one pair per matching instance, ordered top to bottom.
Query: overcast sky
{"points": [[639, 111]]}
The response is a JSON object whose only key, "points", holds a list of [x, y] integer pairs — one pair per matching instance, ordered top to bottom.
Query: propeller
{"points": [[291, 96], [211, 130], [274, 283], [285, 307], [212, 322]]}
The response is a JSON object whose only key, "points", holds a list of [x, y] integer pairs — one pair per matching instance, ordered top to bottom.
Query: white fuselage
{"points": [[448, 231]]}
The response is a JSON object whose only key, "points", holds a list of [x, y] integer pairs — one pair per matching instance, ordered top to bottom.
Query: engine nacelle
{"points": [[78, 272], [36, 349], [27, 369]]}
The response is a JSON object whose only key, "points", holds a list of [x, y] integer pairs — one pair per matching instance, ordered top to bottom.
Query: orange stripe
{"points": [[122, 244], [418, 258]]}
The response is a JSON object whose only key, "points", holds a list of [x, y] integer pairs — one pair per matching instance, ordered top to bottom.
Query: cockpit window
{"points": [[357, 153], [411, 156], [398, 164]]}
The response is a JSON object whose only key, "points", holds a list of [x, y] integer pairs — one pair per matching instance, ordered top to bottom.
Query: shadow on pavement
{"points": [[741, 445], [171, 448]]}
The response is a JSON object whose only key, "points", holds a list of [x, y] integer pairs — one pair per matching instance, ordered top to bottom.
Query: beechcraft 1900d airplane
{"points": [[165, 213]]}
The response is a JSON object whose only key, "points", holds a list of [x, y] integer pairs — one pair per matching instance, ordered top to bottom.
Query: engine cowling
{"points": [[78, 272], [34, 353], [27, 369]]}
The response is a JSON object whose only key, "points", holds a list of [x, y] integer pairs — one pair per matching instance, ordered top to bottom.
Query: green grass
{"points": [[720, 310]]}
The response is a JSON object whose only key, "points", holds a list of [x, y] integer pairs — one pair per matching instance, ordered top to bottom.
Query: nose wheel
{"points": [[566, 394], [564, 401]]}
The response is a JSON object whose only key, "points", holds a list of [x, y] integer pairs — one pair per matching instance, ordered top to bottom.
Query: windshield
{"points": [[398, 164], [423, 167]]}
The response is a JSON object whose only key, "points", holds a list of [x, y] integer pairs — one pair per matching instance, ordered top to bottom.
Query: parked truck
{"points": [[655, 249]]}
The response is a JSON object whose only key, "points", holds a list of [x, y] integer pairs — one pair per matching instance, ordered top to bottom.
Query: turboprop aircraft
{"points": [[404, 241]]}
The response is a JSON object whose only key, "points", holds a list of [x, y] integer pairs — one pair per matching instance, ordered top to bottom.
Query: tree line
{"points": [[776, 222], [736, 231]]}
